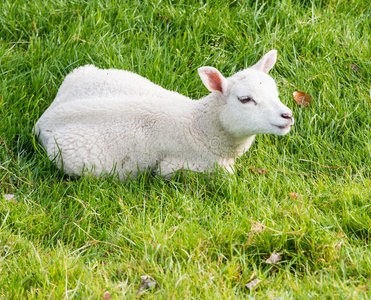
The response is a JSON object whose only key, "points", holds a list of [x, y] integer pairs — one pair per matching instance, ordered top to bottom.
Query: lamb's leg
{"points": [[167, 167]]}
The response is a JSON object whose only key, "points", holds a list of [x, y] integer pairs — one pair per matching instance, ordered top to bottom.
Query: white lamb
{"points": [[115, 121]]}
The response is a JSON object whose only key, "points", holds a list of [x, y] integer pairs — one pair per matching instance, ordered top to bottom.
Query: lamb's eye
{"points": [[245, 99]]}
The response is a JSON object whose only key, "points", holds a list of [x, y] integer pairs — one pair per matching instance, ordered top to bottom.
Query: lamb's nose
{"points": [[286, 116]]}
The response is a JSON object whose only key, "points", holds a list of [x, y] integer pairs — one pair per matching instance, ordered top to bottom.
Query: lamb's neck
{"points": [[219, 141]]}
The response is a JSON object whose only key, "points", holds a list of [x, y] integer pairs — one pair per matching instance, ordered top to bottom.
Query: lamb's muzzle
{"points": [[287, 116], [117, 121]]}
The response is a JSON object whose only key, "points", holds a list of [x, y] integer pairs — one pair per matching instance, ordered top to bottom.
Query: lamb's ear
{"points": [[266, 62], [213, 79]]}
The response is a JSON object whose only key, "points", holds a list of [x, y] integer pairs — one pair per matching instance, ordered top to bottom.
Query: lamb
{"points": [[115, 121]]}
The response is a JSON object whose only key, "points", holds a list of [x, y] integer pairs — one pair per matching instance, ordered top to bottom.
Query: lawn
{"points": [[198, 236]]}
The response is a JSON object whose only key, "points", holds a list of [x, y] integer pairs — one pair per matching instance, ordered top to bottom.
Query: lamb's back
{"points": [[90, 81]]}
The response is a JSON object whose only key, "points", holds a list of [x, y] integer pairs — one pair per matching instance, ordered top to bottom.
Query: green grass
{"points": [[199, 237]]}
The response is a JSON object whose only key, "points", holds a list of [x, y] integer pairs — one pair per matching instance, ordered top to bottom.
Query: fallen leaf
{"points": [[354, 67], [302, 98], [259, 171], [294, 195], [10, 198], [257, 227], [274, 258], [148, 283], [253, 283], [106, 295]]}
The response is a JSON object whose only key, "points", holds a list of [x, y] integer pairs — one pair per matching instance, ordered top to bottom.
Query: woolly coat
{"points": [[105, 121]]}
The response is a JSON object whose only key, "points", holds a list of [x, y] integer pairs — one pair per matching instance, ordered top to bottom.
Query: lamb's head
{"points": [[249, 99]]}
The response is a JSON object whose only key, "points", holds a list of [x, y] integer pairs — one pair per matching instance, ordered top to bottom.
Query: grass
{"points": [[200, 237]]}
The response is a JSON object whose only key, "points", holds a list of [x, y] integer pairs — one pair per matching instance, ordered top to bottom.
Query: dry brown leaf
{"points": [[354, 67], [302, 98], [259, 171], [295, 195], [257, 227], [274, 258], [148, 283], [253, 283], [106, 295]]}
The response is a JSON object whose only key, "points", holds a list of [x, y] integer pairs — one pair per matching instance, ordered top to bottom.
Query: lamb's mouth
{"points": [[282, 127]]}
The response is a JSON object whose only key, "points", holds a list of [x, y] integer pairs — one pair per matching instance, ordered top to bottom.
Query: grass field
{"points": [[199, 237]]}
